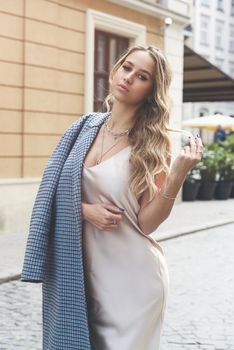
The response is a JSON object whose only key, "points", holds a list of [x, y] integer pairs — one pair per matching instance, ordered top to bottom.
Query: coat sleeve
{"points": [[41, 219]]}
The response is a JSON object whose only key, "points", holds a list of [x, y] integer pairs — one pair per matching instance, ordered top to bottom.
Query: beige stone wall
{"points": [[11, 35], [42, 75], [41, 81], [16, 202]]}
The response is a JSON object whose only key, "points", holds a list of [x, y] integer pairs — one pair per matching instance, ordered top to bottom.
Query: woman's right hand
{"points": [[102, 215]]}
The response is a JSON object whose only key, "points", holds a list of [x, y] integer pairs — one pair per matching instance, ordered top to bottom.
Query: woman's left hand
{"points": [[190, 155]]}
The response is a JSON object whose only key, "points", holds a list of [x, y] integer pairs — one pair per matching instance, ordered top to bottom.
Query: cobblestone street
{"points": [[200, 312], [20, 323]]}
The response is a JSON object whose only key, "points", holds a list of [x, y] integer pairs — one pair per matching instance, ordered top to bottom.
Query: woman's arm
{"points": [[151, 215]]}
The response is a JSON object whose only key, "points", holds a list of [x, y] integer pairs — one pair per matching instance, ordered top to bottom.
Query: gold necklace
{"points": [[116, 135], [102, 154]]}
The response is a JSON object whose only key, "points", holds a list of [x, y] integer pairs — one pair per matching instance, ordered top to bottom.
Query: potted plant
{"points": [[228, 144], [225, 160], [208, 169], [191, 185], [232, 191]]}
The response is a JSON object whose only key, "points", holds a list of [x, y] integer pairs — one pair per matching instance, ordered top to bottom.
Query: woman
{"points": [[107, 186]]}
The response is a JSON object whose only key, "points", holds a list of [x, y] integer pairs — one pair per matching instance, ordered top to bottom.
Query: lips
{"points": [[123, 87]]}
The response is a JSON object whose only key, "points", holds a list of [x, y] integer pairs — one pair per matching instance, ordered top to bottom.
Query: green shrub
{"points": [[217, 162], [208, 167]]}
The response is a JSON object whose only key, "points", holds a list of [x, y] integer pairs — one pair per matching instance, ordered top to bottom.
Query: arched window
{"points": [[203, 111]]}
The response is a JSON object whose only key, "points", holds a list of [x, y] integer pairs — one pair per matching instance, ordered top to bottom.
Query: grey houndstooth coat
{"points": [[54, 247]]}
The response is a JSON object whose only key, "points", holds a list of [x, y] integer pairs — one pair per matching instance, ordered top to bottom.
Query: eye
{"points": [[127, 68], [142, 77]]}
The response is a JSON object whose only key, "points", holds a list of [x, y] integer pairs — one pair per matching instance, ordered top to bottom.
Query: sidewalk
{"points": [[185, 218]]}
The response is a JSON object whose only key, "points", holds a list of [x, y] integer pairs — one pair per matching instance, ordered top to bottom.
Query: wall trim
{"points": [[154, 9], [103, 21], [19, 181]]}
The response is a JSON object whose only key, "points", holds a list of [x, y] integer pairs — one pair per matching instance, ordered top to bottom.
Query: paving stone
{"points": [[201, 304], [200, 312]]}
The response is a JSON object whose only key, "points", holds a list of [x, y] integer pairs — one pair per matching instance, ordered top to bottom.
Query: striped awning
{"points": [[203, 81]]}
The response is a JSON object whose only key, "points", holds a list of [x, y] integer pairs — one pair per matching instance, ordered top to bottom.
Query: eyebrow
{"points": [[142, 70]]}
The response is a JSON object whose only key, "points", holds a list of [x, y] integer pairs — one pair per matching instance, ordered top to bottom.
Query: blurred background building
{"points": [[212, 37], [54, 62]]}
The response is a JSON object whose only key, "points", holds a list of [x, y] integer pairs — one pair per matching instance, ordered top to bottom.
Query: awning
{"points": [[203, 81], [210, 122]]}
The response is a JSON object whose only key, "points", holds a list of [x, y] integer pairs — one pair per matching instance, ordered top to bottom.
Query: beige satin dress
{"points": [[127, 275]]}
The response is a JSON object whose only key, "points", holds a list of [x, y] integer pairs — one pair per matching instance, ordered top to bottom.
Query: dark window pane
{"points": [[122, 46], [108, 47], [112, 52], [101, 57], [101, 89]]}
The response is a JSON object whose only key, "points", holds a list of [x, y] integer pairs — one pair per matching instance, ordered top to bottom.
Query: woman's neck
{"points": [[122, 116]]}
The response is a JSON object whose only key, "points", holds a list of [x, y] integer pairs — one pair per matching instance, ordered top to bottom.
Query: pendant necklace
{"points": [[116, 136]]}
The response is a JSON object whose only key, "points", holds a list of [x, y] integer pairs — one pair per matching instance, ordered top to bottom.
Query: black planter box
{"points": [[223, 189], [190, 190], [207, 190], [232, 191]]}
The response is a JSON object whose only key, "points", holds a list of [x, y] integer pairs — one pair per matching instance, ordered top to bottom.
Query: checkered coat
{"points": [[54, 247]]}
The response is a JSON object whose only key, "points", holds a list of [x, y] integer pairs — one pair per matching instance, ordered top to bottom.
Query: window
{"points": [[205, 2], [220, 5], [232, 8], [204, 32], [219, 35], [231, 40], [108, 47], [219, 63], [231, 69]]}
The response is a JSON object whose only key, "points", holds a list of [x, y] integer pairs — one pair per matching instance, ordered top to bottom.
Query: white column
{"points": [[174, 50]]}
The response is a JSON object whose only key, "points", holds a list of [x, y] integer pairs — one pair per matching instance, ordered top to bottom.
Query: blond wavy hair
{"points": [[149, 138]]}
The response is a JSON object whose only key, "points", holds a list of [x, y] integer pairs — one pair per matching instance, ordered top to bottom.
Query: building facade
{"points": [[213, 38], [54, 60]]}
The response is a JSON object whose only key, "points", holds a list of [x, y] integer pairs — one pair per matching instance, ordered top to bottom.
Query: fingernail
{"points": [[121, 209]]}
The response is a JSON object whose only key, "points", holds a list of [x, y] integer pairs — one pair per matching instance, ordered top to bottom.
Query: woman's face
{"points": [[133, 81]]}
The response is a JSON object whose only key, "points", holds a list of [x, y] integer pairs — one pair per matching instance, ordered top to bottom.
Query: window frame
{"points": [[205, 3], [220, 5], [232, 8], [204, 30], [136, 33], [219, 34], [231, 38]]}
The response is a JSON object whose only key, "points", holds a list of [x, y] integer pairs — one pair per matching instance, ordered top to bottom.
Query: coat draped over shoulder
{"points": [[54, 253]]}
